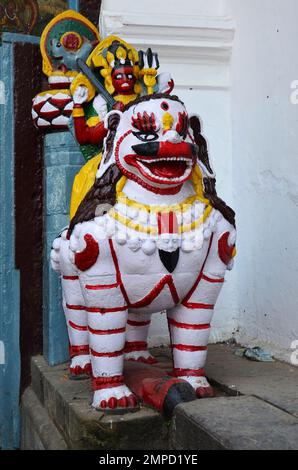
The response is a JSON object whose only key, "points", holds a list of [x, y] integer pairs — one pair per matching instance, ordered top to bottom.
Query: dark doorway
{"points": [[28, 202]]}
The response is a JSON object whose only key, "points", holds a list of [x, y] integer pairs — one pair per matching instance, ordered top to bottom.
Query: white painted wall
{"points": [[193, 39], [265, 170]]}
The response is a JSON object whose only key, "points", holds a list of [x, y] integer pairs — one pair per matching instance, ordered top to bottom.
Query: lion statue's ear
{"points": [[112, 120], [111, 123], [200, 140]]}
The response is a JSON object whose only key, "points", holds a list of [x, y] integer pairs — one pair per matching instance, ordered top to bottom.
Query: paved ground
{"points": [[256, 407], [260, 413]]}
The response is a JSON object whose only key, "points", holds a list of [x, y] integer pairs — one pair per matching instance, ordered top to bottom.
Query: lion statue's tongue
{"points": [[167, 168]]}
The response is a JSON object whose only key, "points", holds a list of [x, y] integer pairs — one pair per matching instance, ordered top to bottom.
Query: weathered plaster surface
{"points": [[265, 171]]}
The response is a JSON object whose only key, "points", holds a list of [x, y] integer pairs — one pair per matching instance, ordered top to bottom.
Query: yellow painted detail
{"points": [[121, 53], [110, 58], [97, 60], [46, 63], [71, 73], [149, 77], [82, 80], [54, 92], [125, 99], [78, 112], [93, 121], [167, 121], [83, 181], [197, 181], [198, 187], [182, 206], [196, 223], [131, 224], [153, 230], [234, 252]]}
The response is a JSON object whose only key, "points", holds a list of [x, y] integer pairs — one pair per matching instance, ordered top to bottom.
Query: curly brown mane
{"points": [[209, 183]]}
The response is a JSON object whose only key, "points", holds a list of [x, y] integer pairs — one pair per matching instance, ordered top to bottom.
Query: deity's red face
{"points": [[123, 80], [153, 147]]}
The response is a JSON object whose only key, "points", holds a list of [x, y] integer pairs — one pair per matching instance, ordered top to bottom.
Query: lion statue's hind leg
{"points": [[189, 322], [136, 346]]}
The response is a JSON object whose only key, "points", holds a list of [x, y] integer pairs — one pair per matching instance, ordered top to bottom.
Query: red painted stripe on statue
{"points": [[167, 222], [173, 223], [116, 264], [70, 278], [209, 279], [101, 286], [192, 290], [147, 300], [194, 305], [76, 307], [106, 310], [138, 323], [187, 326], [77, 327], [106, 332], [131, 346], [190, 348], [78, 350], [106, 354], [189, 372], [99, 383]]}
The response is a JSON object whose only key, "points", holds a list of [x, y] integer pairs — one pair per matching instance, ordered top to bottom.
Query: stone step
{"points": [[68, 404], [237, 423], [38, 429]]}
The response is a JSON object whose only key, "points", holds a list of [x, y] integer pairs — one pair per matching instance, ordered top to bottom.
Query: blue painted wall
{"points": [[62, 160], [9, 277]]}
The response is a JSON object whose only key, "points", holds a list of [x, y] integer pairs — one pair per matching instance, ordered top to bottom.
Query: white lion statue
{"points": [[150, 235]]}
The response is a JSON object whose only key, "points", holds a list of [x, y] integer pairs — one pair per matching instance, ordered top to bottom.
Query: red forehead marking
{"points": [[71, 41], [164, 105], [144, 122], [182, 124]]}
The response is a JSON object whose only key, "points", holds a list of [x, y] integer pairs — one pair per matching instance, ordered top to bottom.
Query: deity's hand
{"points": [[148, 62], [80, 95]]}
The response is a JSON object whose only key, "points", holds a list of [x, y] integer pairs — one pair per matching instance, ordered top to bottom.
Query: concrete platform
{"points": [[256, 407]]}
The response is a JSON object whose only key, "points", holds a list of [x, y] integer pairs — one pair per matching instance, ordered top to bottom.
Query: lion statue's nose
{"points": [[165, 149]]}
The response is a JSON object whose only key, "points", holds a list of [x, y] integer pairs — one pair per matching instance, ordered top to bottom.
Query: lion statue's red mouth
{"points": [[163, 162], [164, 169]]}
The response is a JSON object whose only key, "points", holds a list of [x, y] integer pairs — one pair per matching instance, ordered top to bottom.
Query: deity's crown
{"points": [[112, 54]]}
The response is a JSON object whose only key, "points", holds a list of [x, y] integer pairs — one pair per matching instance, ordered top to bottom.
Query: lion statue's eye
{"points": [[146, 136]]}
